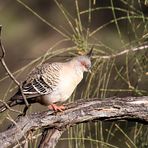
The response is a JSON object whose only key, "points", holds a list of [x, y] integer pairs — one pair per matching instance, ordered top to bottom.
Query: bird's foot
{"points": [[56, 108]]}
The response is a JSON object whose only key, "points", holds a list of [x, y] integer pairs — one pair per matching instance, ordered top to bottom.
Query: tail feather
{"points": [[16, 100]]}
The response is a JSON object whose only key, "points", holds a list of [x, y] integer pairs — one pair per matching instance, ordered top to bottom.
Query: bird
{"points": [[50, 83]]}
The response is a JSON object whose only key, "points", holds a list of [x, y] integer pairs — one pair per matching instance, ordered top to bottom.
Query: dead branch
{"points": [[134, 49], [8, 71], [128, 108], [51, 137]]}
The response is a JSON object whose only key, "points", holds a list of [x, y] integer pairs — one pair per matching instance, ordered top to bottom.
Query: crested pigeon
{"points": [[48, 84]]}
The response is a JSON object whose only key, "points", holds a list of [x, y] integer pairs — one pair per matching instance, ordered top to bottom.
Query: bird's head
{"points": [[85, 61]]}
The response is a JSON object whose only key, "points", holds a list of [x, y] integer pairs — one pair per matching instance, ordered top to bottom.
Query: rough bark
{"points": [[129, 108]]}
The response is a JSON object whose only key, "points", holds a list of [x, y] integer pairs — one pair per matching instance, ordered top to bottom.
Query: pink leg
{"points": [[56, 108]]}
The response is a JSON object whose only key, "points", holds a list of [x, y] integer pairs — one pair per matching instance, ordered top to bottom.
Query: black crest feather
{"points": [[89, 54]]}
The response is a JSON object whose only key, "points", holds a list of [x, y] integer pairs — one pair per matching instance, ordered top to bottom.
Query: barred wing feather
{"points": [[42, 80]]}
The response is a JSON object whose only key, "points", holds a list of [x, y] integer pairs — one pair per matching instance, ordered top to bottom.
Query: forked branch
{"points": [[129, 108]]}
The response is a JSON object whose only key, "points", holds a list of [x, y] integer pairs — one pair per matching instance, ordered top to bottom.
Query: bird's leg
{"points": [[56, 108], [24, 111]]}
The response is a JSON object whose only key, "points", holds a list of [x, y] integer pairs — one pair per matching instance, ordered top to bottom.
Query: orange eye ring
{"points": [[85, 65]]}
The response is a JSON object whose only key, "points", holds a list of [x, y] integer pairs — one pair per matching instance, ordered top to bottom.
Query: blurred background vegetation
{"points": [[42, 30]]}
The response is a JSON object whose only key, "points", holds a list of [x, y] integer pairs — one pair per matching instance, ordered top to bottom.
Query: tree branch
{"points": [[134, 49], [8, 71], [129, 108], [51, 137]]}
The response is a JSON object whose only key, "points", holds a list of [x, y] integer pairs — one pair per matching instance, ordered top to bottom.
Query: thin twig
{"points": [[142, 47], [8, 71], [9, 108], [23, 142]]}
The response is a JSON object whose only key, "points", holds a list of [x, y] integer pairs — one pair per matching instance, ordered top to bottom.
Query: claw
{"points": [[56, 108]]}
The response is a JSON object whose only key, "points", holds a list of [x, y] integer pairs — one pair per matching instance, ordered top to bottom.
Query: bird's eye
{"points": [[85, 65]]}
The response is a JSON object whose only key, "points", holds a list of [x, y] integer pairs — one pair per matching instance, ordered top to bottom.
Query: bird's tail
{"points": [[17, 99]]}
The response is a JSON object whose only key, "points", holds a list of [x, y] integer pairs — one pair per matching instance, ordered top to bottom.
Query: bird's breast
{"points": [[68, 80], [68, 83]]}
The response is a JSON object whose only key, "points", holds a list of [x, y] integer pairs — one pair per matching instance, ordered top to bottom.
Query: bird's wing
{"points": [[42, 80]]}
